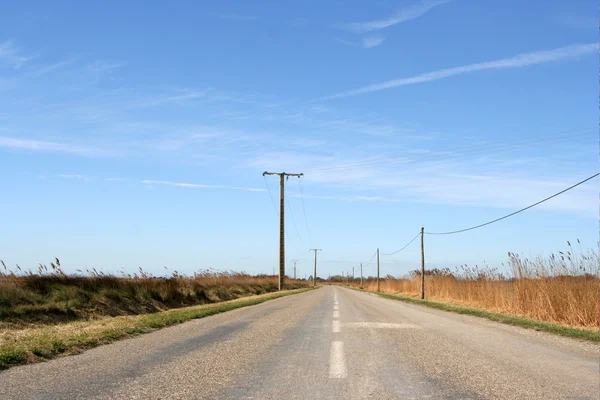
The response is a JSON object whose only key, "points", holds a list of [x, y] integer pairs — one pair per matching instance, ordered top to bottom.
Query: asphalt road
{"points": [[332, 343]]}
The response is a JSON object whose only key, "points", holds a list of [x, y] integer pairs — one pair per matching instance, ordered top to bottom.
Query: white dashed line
{"points": [[336, 307], [336, 314], [380, 325], [336, 327], [337, 361]]}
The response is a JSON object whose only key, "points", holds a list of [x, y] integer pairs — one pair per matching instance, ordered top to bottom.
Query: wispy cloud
{"points": [[405, 14], [235, 17], [578, 21], [372, 41], [366, 42], [11, 55], [518, 61], [102, 66], [42, 70], [162, 99], [40, 145], [72, 176], [198, 185]]}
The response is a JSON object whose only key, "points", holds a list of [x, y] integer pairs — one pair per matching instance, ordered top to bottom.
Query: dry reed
{"points": [[563, 288]]}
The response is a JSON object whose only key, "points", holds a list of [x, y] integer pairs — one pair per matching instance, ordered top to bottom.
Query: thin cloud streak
{"points": [[405, 14], [235, 17], [372, 41], [11, 55], [518, 61], [101, 66], [40, 145], [198, 185]]}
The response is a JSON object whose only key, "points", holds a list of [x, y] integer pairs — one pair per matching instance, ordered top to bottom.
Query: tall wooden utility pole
{"points": [[282, 175], [422, 264], [378, 270], [315, 274], [361, 285]]}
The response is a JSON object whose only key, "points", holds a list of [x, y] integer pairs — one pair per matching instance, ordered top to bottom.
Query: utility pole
{"points": [[282, 175], [422, 264], [295, 267], [378, 270], [315, 274], [352, 274], [361, 285]]}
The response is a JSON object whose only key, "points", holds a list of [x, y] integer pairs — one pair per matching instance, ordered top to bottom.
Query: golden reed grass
{"points": [[562, 288]]}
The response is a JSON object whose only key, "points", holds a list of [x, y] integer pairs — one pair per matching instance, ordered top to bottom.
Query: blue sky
{"points": [[135, 133]]}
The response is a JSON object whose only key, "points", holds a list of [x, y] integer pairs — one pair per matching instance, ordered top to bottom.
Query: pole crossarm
{"points": [[282, 173]]}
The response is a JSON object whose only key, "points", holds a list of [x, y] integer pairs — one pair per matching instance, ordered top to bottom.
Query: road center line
{"points": [[336, 307], [336, 314], [380, 325], [336, 327], [337, 361]]}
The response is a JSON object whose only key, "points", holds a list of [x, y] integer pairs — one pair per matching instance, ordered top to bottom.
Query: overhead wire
{"points": [[480, 146], [459, 151], [395, 161], [270, 194], [275, 208], [304, 212], [516, 212], [294, 219], [398, 251], [371, 260]]}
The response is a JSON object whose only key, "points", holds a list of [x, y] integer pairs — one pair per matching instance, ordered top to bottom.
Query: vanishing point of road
{"points": [[330, 343]]}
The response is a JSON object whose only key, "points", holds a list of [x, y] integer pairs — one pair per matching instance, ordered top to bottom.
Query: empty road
{"points": [[331, 343]]}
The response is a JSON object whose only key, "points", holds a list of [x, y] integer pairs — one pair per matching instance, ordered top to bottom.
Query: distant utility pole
{"points": [[282, 176], [422, 264], [295, 267], [378, 270], [315, 274], [352, 274], [361, 285]]}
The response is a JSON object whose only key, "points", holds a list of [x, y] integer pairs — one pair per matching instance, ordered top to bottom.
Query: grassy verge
{"points": [[48, 299], [592, 335], [24, 346]]}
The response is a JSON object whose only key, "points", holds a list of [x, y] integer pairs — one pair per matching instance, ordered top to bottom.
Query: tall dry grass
{"points": [[563, 288], [49, 295]]}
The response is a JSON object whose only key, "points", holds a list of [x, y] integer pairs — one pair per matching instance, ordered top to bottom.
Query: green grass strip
{"points": [[515, 320], [43, 343]]}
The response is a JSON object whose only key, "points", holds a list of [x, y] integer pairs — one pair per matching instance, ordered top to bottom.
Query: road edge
{"points": [[590, 335], [37, 348]]}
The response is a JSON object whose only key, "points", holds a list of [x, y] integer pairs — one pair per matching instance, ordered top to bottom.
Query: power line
{"points": [[481, 146], [497, 146], [492, 150], [270, 194], [275, 208], [304, 212], [516, 212], [294, 220], [398, 251], [374, 254]]}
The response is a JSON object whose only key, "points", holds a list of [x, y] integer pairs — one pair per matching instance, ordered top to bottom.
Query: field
{"points": [[562, 288], [49, 295], [48, 312]]}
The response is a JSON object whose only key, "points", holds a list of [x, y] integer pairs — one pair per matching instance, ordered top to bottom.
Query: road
{"points": [[331, 343]]}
